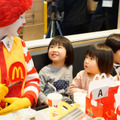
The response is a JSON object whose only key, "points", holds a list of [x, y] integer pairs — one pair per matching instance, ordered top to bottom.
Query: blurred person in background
{"points": [[76, 16], [105, 17]]}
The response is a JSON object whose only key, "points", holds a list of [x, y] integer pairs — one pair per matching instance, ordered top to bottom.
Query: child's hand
{"points": [[84, 91], [46, 102]]}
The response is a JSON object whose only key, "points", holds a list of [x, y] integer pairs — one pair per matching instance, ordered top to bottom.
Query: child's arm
{"points": [[70, 80], [43, 81], [77, 84], [76, 87], [42, 98]]}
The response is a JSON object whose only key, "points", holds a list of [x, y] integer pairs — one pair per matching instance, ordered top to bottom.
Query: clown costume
{"points": [[19, 81]]}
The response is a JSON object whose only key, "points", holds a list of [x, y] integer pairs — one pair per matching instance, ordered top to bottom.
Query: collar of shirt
{"points": [[8, 42], [117, 67]]}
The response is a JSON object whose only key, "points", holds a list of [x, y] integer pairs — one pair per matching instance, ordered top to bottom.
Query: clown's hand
{"points": [[3, 91], [15, 104]]}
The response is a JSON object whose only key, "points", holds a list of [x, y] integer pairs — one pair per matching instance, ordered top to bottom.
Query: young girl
{"points": [[113, 41], [99, 59], [59, 71]]}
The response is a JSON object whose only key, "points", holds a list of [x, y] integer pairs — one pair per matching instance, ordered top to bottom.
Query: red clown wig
{"points": [[10, 10]]}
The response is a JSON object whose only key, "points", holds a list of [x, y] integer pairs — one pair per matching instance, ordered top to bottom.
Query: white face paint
{"points": [[13, 29]]}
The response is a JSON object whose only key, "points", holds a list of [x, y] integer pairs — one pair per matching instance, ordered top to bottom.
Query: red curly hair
{"points": [[10, 10]]}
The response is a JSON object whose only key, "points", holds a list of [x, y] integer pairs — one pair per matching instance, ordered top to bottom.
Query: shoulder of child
{"points": [[69, 67], [45, 68], [81, 73]]}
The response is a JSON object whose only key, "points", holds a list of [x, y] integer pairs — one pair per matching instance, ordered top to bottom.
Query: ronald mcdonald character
{"points": [[19, 81]]}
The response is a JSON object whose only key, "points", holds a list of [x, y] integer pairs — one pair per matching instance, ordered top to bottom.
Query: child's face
{"points": [[14, 28], [57, 53], [117, 57], [90, 65]]}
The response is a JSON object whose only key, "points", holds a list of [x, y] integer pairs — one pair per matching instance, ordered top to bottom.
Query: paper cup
{"points": [[54, 99]]}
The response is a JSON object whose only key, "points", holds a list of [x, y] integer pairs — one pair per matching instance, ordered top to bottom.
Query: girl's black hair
{"points": [[61, 40], [113, 41], [104, 56]]}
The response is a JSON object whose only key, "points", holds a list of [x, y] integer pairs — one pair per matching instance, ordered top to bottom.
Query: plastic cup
{"points": [[54, 99]]}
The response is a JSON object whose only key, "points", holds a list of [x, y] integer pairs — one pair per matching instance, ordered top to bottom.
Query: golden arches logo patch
{"points": [[17, 72]]}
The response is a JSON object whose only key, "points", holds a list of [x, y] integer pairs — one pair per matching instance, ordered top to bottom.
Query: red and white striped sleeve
{"points": [[32, 79]]}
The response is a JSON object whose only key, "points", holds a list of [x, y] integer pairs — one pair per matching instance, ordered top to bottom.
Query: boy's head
{"points": [[10, 10], [61, 40], [113, 41], [103, 55]]}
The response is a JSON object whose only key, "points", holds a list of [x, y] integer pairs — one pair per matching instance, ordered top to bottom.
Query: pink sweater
{"points": [[80, 83]]}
